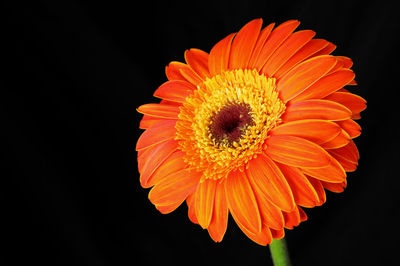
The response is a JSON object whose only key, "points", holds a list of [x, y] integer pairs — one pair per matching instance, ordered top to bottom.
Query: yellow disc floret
{"points": [[225, 122]]}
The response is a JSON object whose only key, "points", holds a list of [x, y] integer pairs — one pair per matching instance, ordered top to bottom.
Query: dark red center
{"points": [[230, 122]]}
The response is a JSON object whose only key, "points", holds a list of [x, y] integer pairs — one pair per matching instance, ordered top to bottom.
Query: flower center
{"points": [[225, 122], [230, 123]]}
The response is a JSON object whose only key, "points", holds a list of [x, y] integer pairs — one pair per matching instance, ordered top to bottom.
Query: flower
{"points": [[257, 128]]}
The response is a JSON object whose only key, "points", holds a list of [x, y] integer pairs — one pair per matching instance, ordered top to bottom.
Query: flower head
{"points": [[257, 128]]}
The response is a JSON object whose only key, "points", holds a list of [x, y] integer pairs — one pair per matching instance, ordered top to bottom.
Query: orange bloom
{"points": [[257, 128]]}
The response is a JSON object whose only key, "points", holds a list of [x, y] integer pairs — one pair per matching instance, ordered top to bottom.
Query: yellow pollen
{"points": [[217, 157]]}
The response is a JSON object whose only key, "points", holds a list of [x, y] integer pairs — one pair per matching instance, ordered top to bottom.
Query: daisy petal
{"points": [[277, 36], [243, 44], [259, 44], [292, 44], [327, 50], [304, 53], [219, 55], [198, 61], [347, 62], [173, 70], [190, 75], [304, 75], [326, 85], [175, 91], [354, 102], [316, 109], [159, 110], [148, 121], [351, 127], [315, 130], [157, 133], [342, 139], [296, 152], [349, 152], [154, 158], [173, 163], [347, 165], [333, 173], [266, 176], [334, 187], [175, 188], [319, 189], [303, 192], [241, 201], [204, 202], [168, 208], [191, 209], [271, 215], [303, 215], [292, 218], [219, 220], [278, 234], [264, 237]]}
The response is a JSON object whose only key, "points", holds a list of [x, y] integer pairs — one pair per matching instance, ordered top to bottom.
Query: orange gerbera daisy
{"points": [[256, 128]]}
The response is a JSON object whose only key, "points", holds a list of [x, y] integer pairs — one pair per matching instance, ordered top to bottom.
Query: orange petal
{"points": [[277, 36], [243, 44], [259, 44], [288, 48], [327, 50], [304, 53], [219, 55], [198, 61], [347, 62], [339, 65], [172, 70], [190, 75], [303, 76], [353, 82], [326, 85], [175, 91], [166, 102], [354, 102], [316, 109], [159, 110], [148, 121], [351, 127], [315, 130], [157, 133], [342, 139], [296, 152], [349, 152], [155, 157], [173, 163], [347, 165], [333, 173], [266, 176], [334, 187], [175, 188], [319, 189], [303, 192], [204, 201], [241, 201], [168, 208], [191, 209], [303, 215], [271, 216], [292, 218], [219, 220], [278, 234], [264, 237]]}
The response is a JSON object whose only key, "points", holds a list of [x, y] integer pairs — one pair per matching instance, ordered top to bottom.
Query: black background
{"points": [[75, 72]]}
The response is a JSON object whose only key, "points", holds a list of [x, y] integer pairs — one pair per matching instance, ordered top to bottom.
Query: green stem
{"points": [[279, 252]]}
